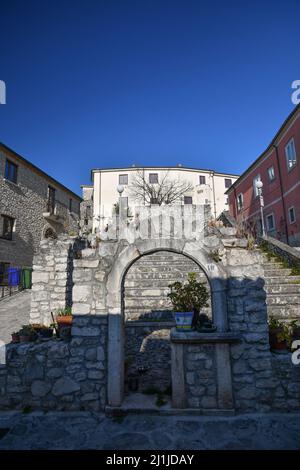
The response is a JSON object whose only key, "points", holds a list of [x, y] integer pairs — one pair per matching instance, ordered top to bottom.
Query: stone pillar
{"points": [[116, 334], [201, 370], [177, 374]]}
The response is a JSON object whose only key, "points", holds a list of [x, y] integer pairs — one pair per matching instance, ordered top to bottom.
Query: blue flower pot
{"points": [[184, 321]]}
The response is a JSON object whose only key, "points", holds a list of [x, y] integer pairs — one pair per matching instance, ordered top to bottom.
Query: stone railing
{"points": [[285, 252]]}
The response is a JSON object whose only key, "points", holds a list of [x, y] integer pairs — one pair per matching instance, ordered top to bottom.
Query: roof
{"points": [[275, 138], [132, 168], [38, 170]]}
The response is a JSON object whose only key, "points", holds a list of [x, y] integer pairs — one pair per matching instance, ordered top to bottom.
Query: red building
{"points": [[278, 168]]}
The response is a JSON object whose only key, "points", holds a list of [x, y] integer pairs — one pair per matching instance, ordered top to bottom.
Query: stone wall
{"points": [[26, 203], [52, 278], [148, 354], [56, 374], [201, 376]]}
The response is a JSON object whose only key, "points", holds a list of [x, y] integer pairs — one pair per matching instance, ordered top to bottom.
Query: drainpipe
{"points": [[214, 196], [282, 197]]}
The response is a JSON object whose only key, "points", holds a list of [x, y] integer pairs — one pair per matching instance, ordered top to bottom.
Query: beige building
{"points": [[207, 187], [33, 205]]}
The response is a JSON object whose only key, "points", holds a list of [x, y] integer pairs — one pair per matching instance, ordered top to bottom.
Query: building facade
{"points": [[278, 169], [206, 187], [32, 206]]}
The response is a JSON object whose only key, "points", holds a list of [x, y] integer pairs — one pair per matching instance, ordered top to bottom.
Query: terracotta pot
{"points": [[64, 320], [274, 342]]}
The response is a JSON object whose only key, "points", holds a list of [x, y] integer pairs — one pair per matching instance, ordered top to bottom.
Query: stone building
{"points": [[33, 206]]}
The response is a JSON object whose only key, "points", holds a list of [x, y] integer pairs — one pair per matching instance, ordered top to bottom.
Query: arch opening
{"points": [[148, 318]]}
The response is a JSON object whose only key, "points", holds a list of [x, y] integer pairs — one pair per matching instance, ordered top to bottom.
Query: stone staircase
{"points": [[147, 281], [283, 290]]}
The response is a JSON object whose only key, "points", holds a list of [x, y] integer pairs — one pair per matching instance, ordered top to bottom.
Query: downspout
{"points": [[214, 196], [282, 197], [234, 203]]}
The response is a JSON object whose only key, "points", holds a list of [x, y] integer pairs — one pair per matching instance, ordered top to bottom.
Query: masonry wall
{"points": [[26, 203], [58, 375], [73, 375]]}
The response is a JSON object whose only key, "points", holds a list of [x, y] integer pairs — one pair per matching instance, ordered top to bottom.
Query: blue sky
{"points": [[151, 82]]}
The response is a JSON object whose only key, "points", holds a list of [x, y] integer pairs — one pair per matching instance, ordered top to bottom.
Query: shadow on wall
{"points": [[147, 358]]}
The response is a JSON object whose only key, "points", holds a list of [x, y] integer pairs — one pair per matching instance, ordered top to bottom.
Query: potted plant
{"points": [[188, 299], [64, 316], [295, 329], [46, 332], [27, 334], [279, 335], [15, 337]]}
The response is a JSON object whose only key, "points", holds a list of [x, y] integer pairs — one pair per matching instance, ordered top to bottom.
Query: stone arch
{"points": [[216, 277]]}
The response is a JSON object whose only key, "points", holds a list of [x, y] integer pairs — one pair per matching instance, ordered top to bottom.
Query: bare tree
{"points": [[166, 191]]}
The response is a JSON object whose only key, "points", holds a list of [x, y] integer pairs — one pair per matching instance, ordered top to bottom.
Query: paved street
{"points": [[14, 312], [95, 431]]}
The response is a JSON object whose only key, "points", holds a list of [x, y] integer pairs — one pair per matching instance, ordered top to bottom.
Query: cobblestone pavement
{"points": [[14, 312], [62, 430]]}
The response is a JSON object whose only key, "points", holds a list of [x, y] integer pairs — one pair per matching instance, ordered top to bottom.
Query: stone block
{"points": [[82, 293], [81, 308], [65, 386], [40, 388]]}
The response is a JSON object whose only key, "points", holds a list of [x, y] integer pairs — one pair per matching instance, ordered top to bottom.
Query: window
{"points": [[290, 153], [10, 171], [271, 173], [153, 178], [123, 179], [202, 179], [228, 182], [255, 188], [51, 200], [188, 200], [226, 201], [240, 202], [70, 205], [292, 215], [270, 222], [7, 225], [4, 273]]}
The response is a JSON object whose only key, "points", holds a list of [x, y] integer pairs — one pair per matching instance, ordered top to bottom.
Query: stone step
{"points": [[272, 263], [162, 268], [269, 272], [156, 275], [282, 280], [146, 283], [283, 289], [137, 292], [284, 299], [282, 312]]}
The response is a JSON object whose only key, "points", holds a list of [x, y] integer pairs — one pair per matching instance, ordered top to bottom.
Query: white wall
{"points": [[106, 195]]}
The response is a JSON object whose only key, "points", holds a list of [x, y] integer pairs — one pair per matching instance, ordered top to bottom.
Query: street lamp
{"points": [[259, 186]]}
